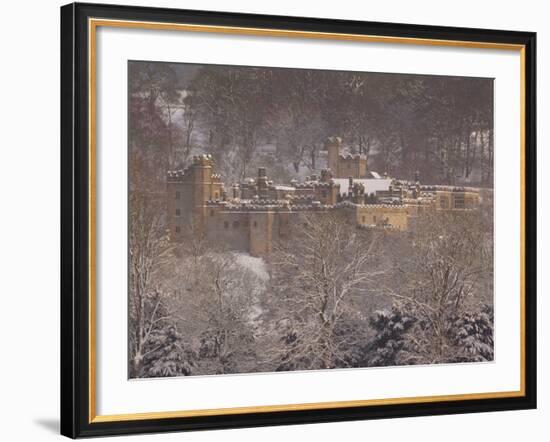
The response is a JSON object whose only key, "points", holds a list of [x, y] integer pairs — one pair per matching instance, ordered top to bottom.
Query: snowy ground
{"points": [[256, 265]]}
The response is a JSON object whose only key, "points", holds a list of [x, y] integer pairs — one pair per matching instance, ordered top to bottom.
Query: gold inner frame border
{"points": [[93, 24]]}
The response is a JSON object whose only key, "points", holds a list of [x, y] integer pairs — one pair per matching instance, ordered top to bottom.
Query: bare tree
{"points": [[148, 252], [440, 280], [318, 282], [215, 306], [316, 310]]}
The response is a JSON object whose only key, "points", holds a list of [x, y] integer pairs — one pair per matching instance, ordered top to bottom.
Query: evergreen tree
{"points": [[391, 327]]}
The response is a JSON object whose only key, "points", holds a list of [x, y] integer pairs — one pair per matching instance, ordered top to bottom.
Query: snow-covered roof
{"points": [[372, 185]]}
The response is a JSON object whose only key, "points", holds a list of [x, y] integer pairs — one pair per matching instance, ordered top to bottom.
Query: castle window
{"points": [[324, 193], [178, 194], [216, 196], [459, 201], [178, 212], [212, 212], [364, 219], [374, 219], [226, 224], [235, 224], [255, 224], [178, 229]]}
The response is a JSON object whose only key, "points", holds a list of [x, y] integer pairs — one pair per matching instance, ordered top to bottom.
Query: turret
{"points": [[333, 145]]}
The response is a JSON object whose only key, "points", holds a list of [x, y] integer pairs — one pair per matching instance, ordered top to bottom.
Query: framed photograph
{"points": [[279, 220]]}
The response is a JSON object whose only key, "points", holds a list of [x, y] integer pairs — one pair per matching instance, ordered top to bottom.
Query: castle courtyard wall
{"points": [[373, 215]]}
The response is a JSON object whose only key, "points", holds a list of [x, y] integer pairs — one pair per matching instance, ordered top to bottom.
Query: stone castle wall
{"points": [[258, 213]]}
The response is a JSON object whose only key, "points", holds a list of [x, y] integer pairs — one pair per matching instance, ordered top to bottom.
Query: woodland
{"points": [[334, 296]]}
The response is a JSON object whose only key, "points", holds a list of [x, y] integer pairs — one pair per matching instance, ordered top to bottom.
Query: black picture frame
{"points": [[75, 221]]}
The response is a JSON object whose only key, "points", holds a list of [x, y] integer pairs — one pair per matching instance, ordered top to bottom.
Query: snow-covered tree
{"points": [[320, 280], [440, 282], [214, 304], [391, 328], [472, 335], [154, 346], [165, 353]]}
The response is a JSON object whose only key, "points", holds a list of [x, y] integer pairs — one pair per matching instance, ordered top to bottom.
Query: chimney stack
{"points": [[261, 183]]}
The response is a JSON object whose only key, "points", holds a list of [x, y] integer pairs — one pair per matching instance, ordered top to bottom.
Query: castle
{"points": [[254, 214]]}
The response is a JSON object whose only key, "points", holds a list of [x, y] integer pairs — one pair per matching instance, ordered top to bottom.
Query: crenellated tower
{"points": [[188, 192]]}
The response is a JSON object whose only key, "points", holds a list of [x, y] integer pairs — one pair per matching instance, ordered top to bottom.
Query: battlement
{"points": [[333, 141], [349, 156], [198, 160], [203, 160], [343, 165], [176, 175], [313, 184], [443, 188], [301, 199], [418, 201], [350, 204], [295, 205], [313, 206], [248, 207], [257, 211]]}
